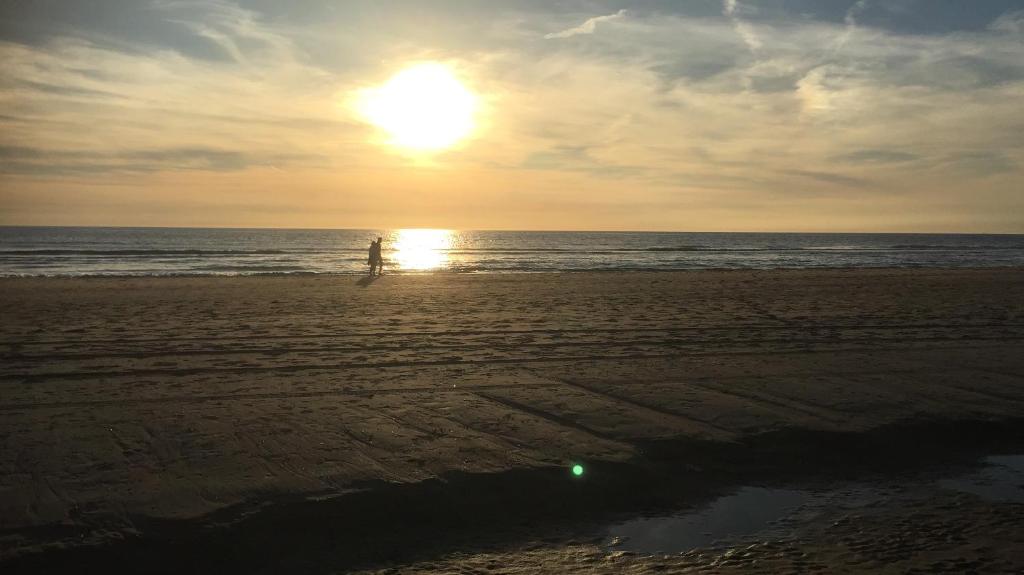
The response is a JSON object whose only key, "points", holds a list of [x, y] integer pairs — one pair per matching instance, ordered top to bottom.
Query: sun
{"points": [[423, 107]]}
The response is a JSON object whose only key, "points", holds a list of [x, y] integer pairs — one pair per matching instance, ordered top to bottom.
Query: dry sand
{"points": [[152, 408]]}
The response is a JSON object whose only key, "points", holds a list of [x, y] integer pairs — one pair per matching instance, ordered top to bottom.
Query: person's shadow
{"points": [[365, 281]]}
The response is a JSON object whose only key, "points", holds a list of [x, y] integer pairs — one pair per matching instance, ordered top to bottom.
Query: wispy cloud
{"points": [[732, 9], [851, 14], [850, 19], [1011, 23], [587, 27], [235, 30], [86, 106], [876, 156], [46, 161], [831, 178]]}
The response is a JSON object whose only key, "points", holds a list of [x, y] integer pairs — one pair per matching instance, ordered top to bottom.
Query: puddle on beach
{"points": [[1001, 479], [748, 511], [761, 511]]}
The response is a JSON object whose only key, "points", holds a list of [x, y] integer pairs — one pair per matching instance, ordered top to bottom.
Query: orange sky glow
{"points": [[591, 115]]}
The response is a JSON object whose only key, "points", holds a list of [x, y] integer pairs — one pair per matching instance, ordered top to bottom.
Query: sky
{"points": [[687, 115]]}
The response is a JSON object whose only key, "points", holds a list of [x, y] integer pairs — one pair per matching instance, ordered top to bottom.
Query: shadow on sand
{"points": [[365, 281]]}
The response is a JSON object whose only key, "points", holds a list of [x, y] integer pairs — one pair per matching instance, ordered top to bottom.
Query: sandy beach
{"points": [[280, 423]]}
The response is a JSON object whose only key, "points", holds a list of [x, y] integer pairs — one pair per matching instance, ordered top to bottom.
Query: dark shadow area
{"points": [[365, 281], [389, 524]]}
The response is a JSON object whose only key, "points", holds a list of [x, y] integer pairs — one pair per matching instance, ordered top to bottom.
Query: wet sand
{"points": [[139, 412], [929, 533]]}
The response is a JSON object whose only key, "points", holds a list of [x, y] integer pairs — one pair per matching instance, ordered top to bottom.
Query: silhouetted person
{"points": [[380, 257], [372, 258], [376, 260]]}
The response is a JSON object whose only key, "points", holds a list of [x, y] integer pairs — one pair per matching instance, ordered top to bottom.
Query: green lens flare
{"points": [[577, 470]]}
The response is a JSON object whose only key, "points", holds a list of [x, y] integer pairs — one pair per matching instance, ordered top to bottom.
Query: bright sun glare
{"points": [[423, 107], [422, 249]]}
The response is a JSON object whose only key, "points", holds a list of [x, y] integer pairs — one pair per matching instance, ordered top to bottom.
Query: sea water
{"points": [[73, 251]]}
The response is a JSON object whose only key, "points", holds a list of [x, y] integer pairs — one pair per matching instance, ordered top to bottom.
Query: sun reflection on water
{"points": [[421, 249]]}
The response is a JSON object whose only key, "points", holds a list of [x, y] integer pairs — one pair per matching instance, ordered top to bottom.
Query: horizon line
{"points": [[577, 231]]}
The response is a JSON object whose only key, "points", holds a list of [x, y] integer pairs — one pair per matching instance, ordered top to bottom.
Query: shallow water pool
{"points": [[760, 511]]}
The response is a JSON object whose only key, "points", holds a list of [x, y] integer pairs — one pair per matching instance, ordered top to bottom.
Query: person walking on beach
{"points": [[380, 258], [371, 260], [376, 260]]}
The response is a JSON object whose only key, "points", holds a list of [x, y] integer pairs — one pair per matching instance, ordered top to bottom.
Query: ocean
{"points": [[85, 251]]}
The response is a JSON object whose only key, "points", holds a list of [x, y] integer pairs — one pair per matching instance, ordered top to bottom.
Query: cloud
{"points": [[732, 9], [851, 15], [850, 19], [1009, 23], [587, 27], [238, 32], [79, 105], [876, 156], [578, 159], [43, 161], [982, 164], [831, 178]]}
